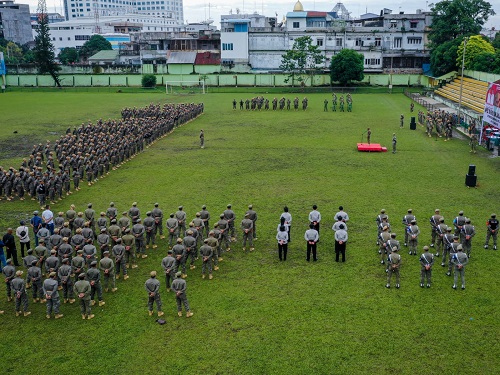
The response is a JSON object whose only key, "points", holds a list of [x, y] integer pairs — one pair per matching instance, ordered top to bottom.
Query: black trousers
{"points": [[316, 226], [311, 247], [339, 249], [282, 251], [12, 254]]}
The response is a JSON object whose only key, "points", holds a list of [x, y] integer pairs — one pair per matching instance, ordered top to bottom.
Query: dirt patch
{"points": [[19, 146]]}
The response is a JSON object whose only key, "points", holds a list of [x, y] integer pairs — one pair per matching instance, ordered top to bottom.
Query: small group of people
{"points": [[259, 102], [341, 102], [455, 244]]}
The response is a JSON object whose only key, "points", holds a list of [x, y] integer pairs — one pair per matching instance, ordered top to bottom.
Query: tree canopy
{"points": [[453, 19], [95, 44], [475, 45], [68, 55], [302, 61], [347, 66]]}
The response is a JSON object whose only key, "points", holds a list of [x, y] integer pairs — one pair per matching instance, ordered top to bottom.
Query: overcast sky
{"points": [[199, 10]]}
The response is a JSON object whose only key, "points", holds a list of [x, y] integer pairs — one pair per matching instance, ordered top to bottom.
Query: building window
{"points": [[394, 24], [413, 24], [296, 25], [413, 40], [319, 42], [339, 42], [359, 42], [378, 42], [397, 42], [227, 46], [372, 61]]}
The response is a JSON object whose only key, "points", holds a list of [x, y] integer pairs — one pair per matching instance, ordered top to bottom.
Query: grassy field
{"points": [[259, 315]]}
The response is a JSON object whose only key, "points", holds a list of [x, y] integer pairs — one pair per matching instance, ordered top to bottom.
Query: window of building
{"points": [[394, 24], [413, 24], [296, 25], [414, 40], [319, 42], [339, 42], [359, 42], [378, 42], [397, 42], [227, 46], [372, 61]]}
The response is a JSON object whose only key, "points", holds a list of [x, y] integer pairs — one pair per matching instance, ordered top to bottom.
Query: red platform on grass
{"points": [[372, 147]]}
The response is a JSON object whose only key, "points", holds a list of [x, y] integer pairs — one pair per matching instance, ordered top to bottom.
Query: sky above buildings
{"points": [[200, 10]]}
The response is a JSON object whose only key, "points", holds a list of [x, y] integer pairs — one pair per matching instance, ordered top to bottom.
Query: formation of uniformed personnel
{"points": [[491, 231], [459, 260], [426, 263], [18, 286], [152, 286], [179, 286]]}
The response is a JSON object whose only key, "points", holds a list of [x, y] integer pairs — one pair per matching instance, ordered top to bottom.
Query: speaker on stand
{"points": [[413, 124], [471, 178]]}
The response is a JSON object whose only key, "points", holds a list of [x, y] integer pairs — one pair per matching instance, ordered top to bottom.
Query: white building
{"points": [[158, 8], [15, 22], [116, 29], [387, 41]]}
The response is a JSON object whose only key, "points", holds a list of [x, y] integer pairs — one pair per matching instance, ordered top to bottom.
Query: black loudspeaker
{"points": [[412, 120], [413, 126], [472, 169], [470, 180]]}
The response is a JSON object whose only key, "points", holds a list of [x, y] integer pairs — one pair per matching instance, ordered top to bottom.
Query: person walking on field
{"points": [[202, 138]]}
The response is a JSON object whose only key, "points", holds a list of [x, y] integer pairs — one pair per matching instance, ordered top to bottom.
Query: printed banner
{"points": [[2, 64], [492, 106]]}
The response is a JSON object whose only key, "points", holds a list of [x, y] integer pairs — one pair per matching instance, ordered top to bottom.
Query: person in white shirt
{"points": [[341, 214], [315, 217], [48, 218], [288, 220], [22, 232], [282, 238], [340, 242]]}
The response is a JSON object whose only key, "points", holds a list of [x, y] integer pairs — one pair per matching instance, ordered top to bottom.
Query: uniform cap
{"points": [[112, 204], [134, 204], [157, 204], [89, 205], [228, 206], [250, 206], [180, 207], [203, 207], [410, 210], [436, 210], [382, 211], [35, 212], [124, 213], [148, 213], [461, 213], [198, 214], [247, 215], [493, 215], [221, 216], [139, 220], [441, 220], [413, 221], [467, 221], [448, 229], [79, 230], [103, 230], [127, 230], [189, 232], [455, 237], [118, 240], [179, 240], [205, 240], [459, 247], [426, 248], [395, 249], [52, 251], [79, 252], [106, 252], [170, 252], [65, 260], [34, 263], [93, 263], [19, 273], [52, 274], [153, 274], [178, 274], [81, 276]]}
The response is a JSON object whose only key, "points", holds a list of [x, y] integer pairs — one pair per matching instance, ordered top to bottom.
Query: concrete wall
{"points": [[482, 76], [249, 80]]}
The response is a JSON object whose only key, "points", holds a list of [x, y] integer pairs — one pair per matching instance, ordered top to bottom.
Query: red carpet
{"points": [[372, 147]]}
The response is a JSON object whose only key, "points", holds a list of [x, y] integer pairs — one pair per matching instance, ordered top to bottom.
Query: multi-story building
{"points": [[158, 8], [15, 22], [388, 41]]}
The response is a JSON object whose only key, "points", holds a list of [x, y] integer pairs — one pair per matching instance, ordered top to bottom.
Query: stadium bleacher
{"points": [[473, 93]]}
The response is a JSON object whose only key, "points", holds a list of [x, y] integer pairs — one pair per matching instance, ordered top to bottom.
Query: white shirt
{"points": [[342, 215], [314, 216], [48, 217], [288, 218], [337, 225], [341, 235], [26, 237]]}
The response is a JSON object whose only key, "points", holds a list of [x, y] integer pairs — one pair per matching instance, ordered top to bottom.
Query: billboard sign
{"points": [[492, 105]]}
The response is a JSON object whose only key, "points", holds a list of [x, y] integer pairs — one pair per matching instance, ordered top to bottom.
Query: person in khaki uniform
{"points": [[253, 216], [434, 220], [247, 227], [173, 230], [491, 231], [413, 232], [468, 232], [383, 238], [128, 241], [213, 242], [206, 254], [459, 261], [426, 263], [394, 264], [107, 267], [18, 286], [152, 286], [179, 286], [82, 289]]}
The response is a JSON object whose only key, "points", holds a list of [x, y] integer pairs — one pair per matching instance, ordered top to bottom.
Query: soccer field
{"points": [[259, 315]]}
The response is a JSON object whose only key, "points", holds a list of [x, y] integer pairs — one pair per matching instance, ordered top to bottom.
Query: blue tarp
{"points": [[2, 65]]}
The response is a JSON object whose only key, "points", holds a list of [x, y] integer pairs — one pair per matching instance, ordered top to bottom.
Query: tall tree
{"points": [[453, 19], [496, 41], [95, 44], [475, 45], [44, 49], [444, 57], [302, 61], [347, 66]]}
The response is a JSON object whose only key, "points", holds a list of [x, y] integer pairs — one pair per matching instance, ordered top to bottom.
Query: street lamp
{"points": [[466, 39]]}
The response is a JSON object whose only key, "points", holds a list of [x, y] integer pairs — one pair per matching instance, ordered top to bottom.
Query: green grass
{"points": [[260, 316]]}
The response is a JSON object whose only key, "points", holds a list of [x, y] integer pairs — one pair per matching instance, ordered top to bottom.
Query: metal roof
{"points": [[108, 55], [181, 58]]}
